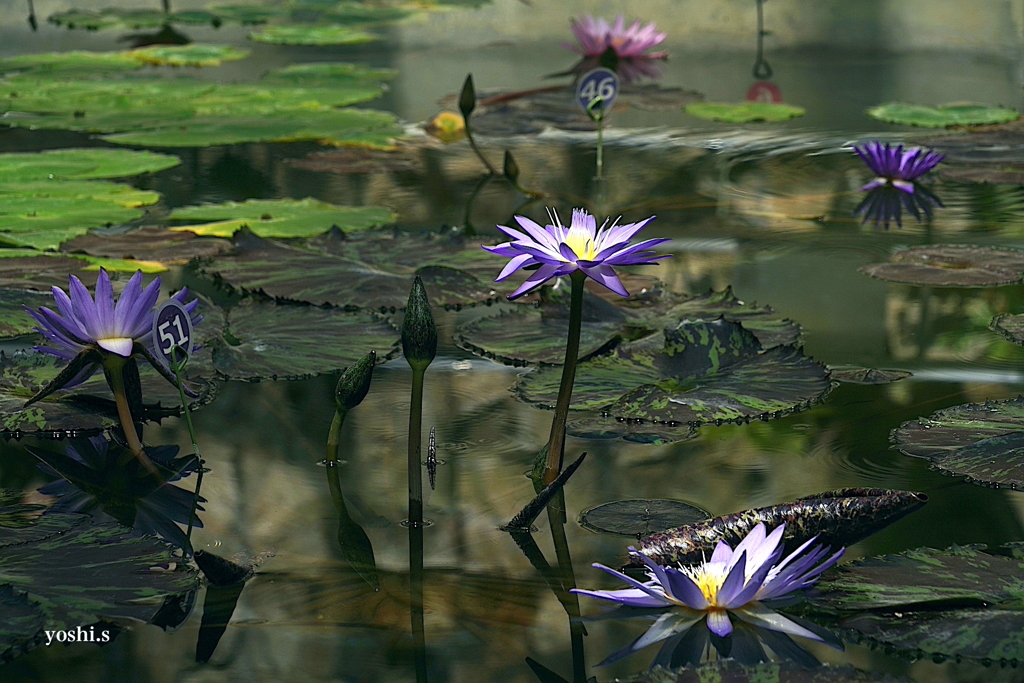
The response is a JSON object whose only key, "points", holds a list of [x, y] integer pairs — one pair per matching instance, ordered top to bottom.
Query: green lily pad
{"points": [[360, 13], [250, 14], [84, 19], [312, 35], [187, 55], [74, 63], [321, 74], [185, 112], [744, 112], [958, 114], [81, 164], [124, 196], [279, 218], [45, 222], [153, 245], [951, 265], [368, 270], [14, 320], [536, 335], [266, 340], [700, 372], [851, 374], [84, 410], [639, 518], [78, 572], [731, 671]]}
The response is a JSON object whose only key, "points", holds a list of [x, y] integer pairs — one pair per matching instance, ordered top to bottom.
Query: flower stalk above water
{"points": [[734, 583]]}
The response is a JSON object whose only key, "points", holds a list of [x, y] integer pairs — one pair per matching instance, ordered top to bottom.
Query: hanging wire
{"points": [[762, 69]]}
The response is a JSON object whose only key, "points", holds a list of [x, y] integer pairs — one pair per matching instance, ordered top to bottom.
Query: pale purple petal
{"points": [[512, 266], [605, 275], [539, 277], [129, 295], [104, 305], [85, 310], [139, 318], [722, 553], [734, 581], [646, 588], [630, 597], [759, 615], [719, 623], [667, 625]]}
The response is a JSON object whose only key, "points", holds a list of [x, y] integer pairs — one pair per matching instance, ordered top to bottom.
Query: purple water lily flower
{"points": [[630, 45], [895, 166], [555, 250], [81, 324], [734, 582]]}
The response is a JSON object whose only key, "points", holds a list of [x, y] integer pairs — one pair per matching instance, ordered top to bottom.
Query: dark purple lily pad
{"points": [[147, 244], [951, 265], [40, 273], [1010, 326], [851, 374], [639, 518], [731, 671]]}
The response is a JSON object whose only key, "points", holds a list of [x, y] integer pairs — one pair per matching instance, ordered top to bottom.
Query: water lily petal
{"points": [[606, 276], [122, 346], [757, 614], [719, 623]]}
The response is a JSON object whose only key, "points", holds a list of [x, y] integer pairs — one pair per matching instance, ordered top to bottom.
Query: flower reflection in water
{"points": [[895, 188], [885, 205], [740, 582]]}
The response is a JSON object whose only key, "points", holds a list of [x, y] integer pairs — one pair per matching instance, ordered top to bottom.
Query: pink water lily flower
{"points": [[595, 36]]}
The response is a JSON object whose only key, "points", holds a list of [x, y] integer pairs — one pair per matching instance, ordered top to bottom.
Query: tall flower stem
{"points": [[600, 147], [177, 367], [114, 369], [556, 441], [416, 523]]}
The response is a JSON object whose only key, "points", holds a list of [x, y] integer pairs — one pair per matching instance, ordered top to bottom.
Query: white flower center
{"points": [[122, 346]]}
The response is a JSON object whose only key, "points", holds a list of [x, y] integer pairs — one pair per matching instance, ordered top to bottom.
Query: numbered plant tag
{"points": [[600, 83], [172, 327]]}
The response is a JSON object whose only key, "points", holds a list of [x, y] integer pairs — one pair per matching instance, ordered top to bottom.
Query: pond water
{"points": [[766, 209]]}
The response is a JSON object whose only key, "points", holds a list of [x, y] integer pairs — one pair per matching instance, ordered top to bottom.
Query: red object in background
{"points": [[765, 92]]}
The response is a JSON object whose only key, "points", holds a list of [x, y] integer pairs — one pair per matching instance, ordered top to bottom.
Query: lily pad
{"points": [[361, 13], [250, 14], [312, 35], [187, 55], [77, 62], [319, 74], [744, 112], [958, 114], [81, 164], [279, 218], [45, 222], [147, 244], [951, 265], [40, 271], [372, 271], [14, 320], [1010, 326], [536, 335], [266, 340], [700, 372], [850, 374], [83, 411], [640, 517], [80, 572], [959, 602], [731, 671]]}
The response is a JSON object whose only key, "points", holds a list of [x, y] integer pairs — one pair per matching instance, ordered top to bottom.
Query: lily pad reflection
{"points": [[951, 265], [639, 518]]}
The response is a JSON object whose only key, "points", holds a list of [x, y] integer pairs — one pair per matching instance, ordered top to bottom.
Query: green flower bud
{"points": [[467, 98], [511, 167], [419, 332], [354, 383]]}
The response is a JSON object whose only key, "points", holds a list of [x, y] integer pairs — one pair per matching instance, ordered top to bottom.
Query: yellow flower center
{"points": [[580, 241], [709, 579]]}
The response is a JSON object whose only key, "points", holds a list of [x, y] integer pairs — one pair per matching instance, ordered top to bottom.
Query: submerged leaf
{"points": [[744, 112], [959, 114], [279, 218], [951, 265], [14, 319], [640, 517]]}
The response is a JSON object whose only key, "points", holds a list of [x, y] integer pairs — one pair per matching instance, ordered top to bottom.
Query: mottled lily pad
{"points": [[312, 35], [187, 55], [744, 112], [959, 114], [81, 164], [279, 218], [148, 244], [951, 265], [40, 271], [372, 271], [14, 320], [1010, 326], [536, 335], [266, 340], [700, 372], [851, 374], [85, 410], [640, 517], [79, 572], [962, 601], [731, 671]]}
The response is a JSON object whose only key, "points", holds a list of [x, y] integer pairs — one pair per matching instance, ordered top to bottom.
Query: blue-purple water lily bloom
{"points": [[895, 166], [555, 250], [123, 328], [734, 583]]}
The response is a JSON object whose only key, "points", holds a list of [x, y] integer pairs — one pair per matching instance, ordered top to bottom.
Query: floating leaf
{"points": [[360, 13], [250, 14], [84, 19], [312, 35], [187, 55], [70, 63], [322, 74], [744, 112], [958, 114], [994, 155], [81, 164], [124, 196], [279, 218], [45, 222], [147, 245], [951, 265], [40, 271], [371, 271], [14, 320], [1010, 326], [532, 335], [265, 340], [697, 373], [851, 374], [85, 410], [948, 430], [640, 517], [81, 573], [731, 671]]}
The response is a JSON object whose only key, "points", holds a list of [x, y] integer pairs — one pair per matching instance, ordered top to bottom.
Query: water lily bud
{"points": [[467, 98], [511, 167], [419, 332], [354, 383]]}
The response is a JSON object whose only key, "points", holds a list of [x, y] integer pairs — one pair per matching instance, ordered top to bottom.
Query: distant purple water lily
{"points": [[895, 166], [555, 250], [92, 330], [734, 582]]}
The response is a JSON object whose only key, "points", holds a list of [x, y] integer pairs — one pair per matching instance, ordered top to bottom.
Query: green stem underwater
{"points": [[192, 435], [556, 441], [415, 469]]}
